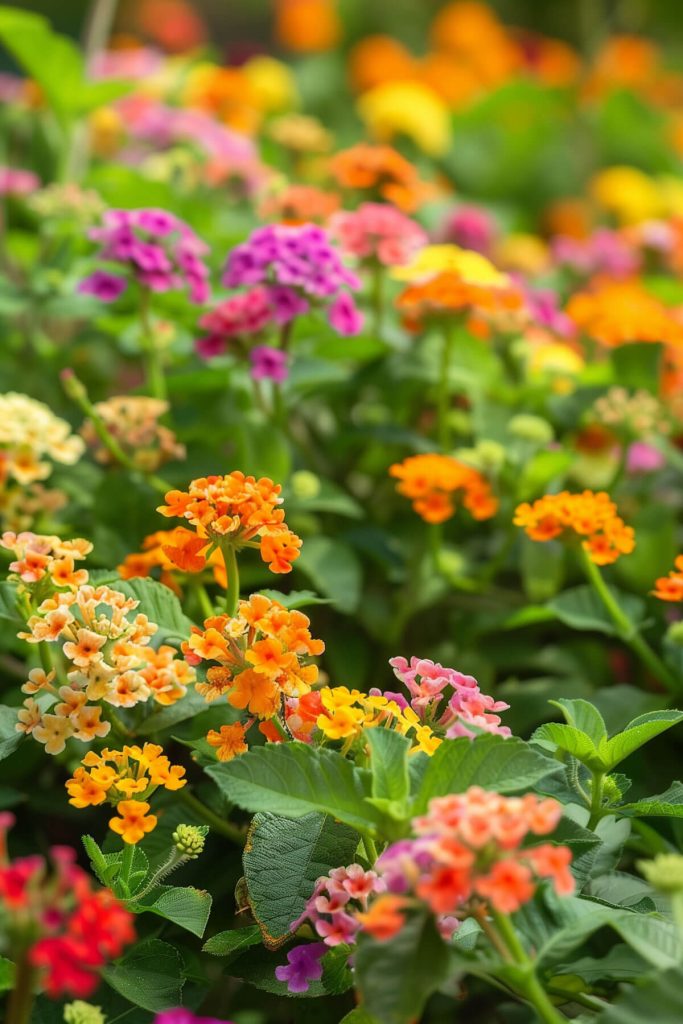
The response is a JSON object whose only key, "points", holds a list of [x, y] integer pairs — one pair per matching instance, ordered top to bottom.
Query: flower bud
{"points": [[530, 428], [305, 484], [674, 634], [189, 840], [664, 872], [83, 1013]]}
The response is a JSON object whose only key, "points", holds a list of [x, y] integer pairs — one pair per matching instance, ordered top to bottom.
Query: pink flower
{"points": [[14, 181], [471, 227], [379, 233], [104, 286], [345, 316], [268, 363], [644, 458]]}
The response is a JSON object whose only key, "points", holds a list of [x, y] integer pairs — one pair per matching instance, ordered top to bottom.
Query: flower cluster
{"points": [[380, 173], [299, 204], [377, 233], [155, 248], [604, 251], [300, 269], [619, 312], [236, 319], [641, 413], [133, 422], [30, 435], [433, 481], [233, 510], [592, 516], [153, 556], [46, 557], [670, 587], [262, 655], [343, 714], [126, 779], [467, 856], [50, 909]]}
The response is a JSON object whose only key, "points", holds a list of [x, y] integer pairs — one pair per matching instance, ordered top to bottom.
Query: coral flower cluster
{"points": [[380, 173], [377, 233], [154, 248], [300, 270], [133, 422], [434, 483], [235, 510], [591, 516], [153, 556], [670, 587], [260, 655], [125, 778], [50, 913]]}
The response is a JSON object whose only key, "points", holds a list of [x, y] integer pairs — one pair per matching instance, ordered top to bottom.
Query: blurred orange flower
{"points": [[617, 312], [432, 482]]}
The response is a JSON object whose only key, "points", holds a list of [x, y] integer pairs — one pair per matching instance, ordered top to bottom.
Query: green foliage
{"points": [[150, 975]]}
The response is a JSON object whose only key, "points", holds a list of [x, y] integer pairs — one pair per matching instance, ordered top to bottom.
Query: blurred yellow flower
{"points": [[272, 84], [407, 108], [631, 195], [524, 252], [471, 266]]}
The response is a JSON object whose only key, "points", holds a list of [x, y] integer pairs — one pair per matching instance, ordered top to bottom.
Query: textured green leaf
{"points": [[334, 569], [581, 608], [584, 716], [637, 733], [557, 736], [9, 737], [389, 764], [506, 765], [293, 779], [668, 804], [283, 859], [185, 906], [230, 943], [620, 964], [150, 975], [396, 978], [658, 998]]}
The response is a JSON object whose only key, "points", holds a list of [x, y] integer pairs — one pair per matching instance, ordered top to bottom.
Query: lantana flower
{"points": [[435, 482], [590, 516]]}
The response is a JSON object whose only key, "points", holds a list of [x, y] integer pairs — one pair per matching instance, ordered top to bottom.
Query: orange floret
{"points": [[434, 481], [591, 516]]}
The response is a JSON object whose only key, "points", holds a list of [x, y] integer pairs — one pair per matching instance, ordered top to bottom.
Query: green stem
{"points": [[377, 298], [156, 380], [444, 391], [232, 592], [203, 598], [626, 630], [279, 727], [596, 799], [218, 824], [371, 853], [126, 866], [530, 987], [582, 998], [20, 1002]]}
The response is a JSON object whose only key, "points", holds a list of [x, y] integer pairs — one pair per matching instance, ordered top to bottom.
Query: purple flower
{"points": [[104, 286], [287, 304], [268, 363], [303, 966], [181, 1016]]}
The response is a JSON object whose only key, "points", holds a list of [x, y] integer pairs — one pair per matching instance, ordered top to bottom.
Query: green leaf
{"points": [[334, 569], [295, 598], [8, 603], [160, 604], [581, 608], [584, 716], [639, 732], [556, 736], [10, 738], [389, 765], [505, 765], [293, 779], [668, 804], [283, 859], [185, 906], [230, 943], [620, 964], [6, 974], [150, 975], [337, 977], [396, 978], [658, 998], [358, 1016]]}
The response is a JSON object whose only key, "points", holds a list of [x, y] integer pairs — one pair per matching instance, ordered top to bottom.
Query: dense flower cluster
{"points": [[380, 173], [377, 233], [154, 247], [300, 270], [619, 312], [236, 319], [640, 413], [133, 422], [31, 437], [433, 482], [235, 510], [593, 517], [153, 556], [670, 587], [262, 656], [126, 779], [467, 856], [50, 909]]}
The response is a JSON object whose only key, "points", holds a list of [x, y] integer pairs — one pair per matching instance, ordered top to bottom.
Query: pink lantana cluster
{"points": [[377, 233], [154, 248], [603, 252], [300, 270], [467, 711], [466, 858]]}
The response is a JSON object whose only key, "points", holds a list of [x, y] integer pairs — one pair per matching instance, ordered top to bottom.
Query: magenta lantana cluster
{"points": [[377, 233], [150, 246], [448, 700]]}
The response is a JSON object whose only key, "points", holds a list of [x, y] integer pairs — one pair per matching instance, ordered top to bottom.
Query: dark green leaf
{"points": [[150, 975]]}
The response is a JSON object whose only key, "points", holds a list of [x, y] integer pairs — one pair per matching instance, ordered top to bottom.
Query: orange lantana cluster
{"points": [[380, 172], [449, 292], [619, 312], [433, 483], [233, 509], [592, 516], [154, 556], [670, 588], [261, 655], [125, 778]]}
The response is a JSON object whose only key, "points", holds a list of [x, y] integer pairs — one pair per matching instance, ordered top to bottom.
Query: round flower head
{"points": [[380, 173], [377, 233], [154, 248], [619, 312], [432, 482], [590, 516]]}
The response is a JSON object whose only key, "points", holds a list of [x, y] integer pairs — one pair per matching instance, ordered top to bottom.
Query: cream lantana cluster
{"points": [[30, 435], [105, 653]]}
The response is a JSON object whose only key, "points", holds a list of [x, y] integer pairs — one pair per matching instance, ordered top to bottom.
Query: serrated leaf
{"points": [[581, 608], [583, 716], [638, 732], [557, 736], [493, 762], [389, 765], [293, 779], [668, 804], [283, 859], [185, 906], [231, 943], [149, 975], [396, 978], [658, 998]]}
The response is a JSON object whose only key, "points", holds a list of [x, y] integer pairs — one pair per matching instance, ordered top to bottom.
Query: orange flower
{"points": [[307, 26], [377, 59], [380, 172], [300, 204], [448, 293], [622, 311], [432, 481], [234, 508], [605, 536], [670, 588], [270, 657], [258, 694], [229, 742], [84, 791], [134, 821], [508, 886], [384, 919]]}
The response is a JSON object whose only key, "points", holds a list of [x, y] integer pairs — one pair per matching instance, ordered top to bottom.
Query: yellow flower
{"points": [[272, 83], [407, 108], [631, 195], [525, 252], [471, 266], [342, 722]]}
